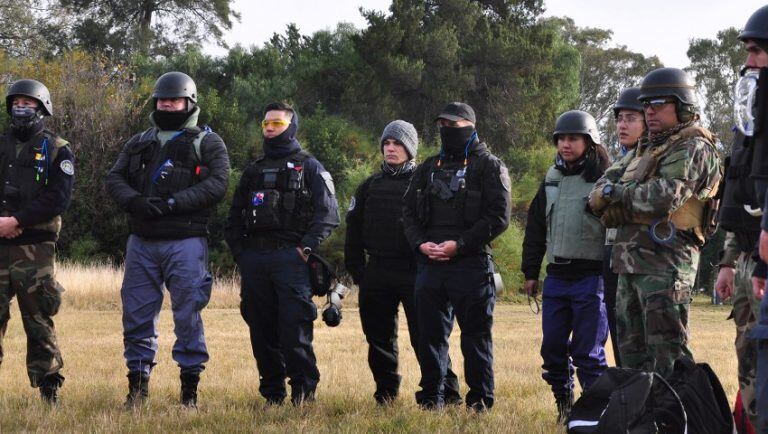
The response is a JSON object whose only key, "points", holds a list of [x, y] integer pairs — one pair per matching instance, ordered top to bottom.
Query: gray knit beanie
{"points": [[404, 133]]}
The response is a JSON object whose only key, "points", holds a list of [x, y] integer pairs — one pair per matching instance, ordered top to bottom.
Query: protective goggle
{"points": [[744, 99], [656, 103], [274, 123]]}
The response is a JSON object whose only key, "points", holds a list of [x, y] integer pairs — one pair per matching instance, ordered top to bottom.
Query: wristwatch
{"points": [[608, 191], [171, 203], [306, 251]]}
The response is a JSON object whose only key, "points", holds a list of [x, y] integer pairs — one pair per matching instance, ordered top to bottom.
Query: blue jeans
{"points": [[182, 266], [276, 303], [575, 328]]}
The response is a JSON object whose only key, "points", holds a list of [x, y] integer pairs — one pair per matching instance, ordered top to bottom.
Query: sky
{"points": [[653, 27]]}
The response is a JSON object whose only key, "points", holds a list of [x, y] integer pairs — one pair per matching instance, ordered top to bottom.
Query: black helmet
{"points": [[757, 25], [668, 82], [175, 85], [32, 89], [628, 101], [576, 122]]}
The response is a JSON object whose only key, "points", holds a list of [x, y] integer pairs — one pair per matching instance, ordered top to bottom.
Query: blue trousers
{"points": [[182, 266], [461, 287], [276, 303], [575, 328]]}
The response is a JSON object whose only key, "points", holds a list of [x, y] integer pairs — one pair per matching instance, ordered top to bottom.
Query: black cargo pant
{"points": [[385, 285], [462, 286]]}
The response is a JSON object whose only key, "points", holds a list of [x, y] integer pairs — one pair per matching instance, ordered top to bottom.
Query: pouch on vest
{"points": [[263, 210]]}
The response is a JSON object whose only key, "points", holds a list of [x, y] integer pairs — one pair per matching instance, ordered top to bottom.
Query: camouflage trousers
{"points": [[27, 273], [746, 311], [652, 321]]}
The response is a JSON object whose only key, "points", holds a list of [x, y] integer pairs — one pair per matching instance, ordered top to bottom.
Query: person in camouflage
{"points": [[37, 174], [658, 196]]}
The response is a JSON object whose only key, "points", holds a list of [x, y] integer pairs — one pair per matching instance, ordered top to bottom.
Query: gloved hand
{"points": [[597, 202], [149, 207], [613, 216]]}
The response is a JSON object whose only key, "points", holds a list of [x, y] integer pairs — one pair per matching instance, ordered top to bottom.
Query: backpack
{"points": [[703, 397], [628, 401]]}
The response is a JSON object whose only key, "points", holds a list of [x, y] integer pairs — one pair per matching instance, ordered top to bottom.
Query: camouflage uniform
{"points": [[27, 272], [655, 279], [745, 312]]}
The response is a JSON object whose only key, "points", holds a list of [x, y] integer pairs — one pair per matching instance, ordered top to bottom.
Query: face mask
{"points": [[744, 101], [25, 117], [170, 121], [286, 136], [456, 140]]}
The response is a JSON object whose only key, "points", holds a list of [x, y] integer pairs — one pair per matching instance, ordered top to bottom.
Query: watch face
{"points": [[607, 190]]}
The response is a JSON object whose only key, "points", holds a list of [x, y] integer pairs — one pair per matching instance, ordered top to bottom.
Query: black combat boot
{"points": [[49, 388], [138, 389], [189, 389], [564, 405]]}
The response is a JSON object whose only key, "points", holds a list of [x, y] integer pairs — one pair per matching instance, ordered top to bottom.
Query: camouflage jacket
{"points": [[689, 168]]}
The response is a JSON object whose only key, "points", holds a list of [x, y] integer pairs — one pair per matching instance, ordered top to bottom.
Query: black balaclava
{"points": [[172, 121], [26, 122], [454, 141], [285, 143]]}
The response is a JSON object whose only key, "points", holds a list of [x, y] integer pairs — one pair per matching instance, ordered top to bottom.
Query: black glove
{"points": [[149, 207]]}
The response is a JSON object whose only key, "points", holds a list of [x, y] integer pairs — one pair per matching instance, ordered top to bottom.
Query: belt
{"points": [[262, 243]]}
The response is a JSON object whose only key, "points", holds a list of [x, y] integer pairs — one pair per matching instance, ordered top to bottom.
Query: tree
{"points": [[149, 27], [27, 30], [715, 65], [605, 72]]}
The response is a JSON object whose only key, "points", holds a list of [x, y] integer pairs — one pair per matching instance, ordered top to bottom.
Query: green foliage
{"points": [[715, 65]]}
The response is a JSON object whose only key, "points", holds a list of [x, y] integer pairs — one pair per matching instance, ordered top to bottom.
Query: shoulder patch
{"points": [[67, 167], [504, 176], [328, 182], [352, 203]]}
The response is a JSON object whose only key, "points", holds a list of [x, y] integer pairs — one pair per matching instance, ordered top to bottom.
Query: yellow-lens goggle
{"points": [[274, 123]]}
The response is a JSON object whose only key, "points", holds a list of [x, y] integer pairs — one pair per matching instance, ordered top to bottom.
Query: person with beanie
{"points": [[283, 208], [386, 279]]}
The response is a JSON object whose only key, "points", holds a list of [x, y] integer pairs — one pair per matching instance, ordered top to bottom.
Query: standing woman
{"points": [[630, 123], [574, 320]]}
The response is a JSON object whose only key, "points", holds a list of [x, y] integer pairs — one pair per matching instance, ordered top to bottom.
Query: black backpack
{"points": [[703, 397], [628, 401]]}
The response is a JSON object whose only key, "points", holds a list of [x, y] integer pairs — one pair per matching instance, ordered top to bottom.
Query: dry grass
{"points": [[90, 336]]}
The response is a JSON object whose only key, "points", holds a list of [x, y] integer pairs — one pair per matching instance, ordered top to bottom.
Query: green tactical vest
{"points": [[572, 233]]}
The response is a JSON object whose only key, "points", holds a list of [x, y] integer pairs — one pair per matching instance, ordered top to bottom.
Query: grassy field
{"points": [[89, 331]]}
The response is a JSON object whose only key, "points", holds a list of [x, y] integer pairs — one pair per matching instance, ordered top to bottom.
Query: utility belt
{"points": [[689, 217], [265, 243]]}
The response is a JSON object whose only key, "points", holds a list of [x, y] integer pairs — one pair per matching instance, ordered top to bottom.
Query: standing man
{"points": [[630, 122], [37, 173], [169, 178], [659, 197], [457, 203], [283, 208], [386, 279], [574, 321], [753, 368]]}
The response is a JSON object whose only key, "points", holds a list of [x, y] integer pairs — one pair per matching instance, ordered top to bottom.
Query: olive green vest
{"points": [[572, 233]]}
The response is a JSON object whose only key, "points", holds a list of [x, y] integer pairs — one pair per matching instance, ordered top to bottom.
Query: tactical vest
{"points": [[24, 169], [162, 171], [738, 191], [278, 196], [451, 199], [694, 215], [383, 233], [572, 233]]}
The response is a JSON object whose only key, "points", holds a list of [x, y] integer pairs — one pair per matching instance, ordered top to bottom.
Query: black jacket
{"points": [[192, 203], [494, 210], [324, 220]]}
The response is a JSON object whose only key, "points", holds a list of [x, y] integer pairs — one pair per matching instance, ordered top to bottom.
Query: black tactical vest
{"points": [[155, 171], [162, 171], [24, 173], [739, 190], [278, 196], [451, 198], [383, 233]]}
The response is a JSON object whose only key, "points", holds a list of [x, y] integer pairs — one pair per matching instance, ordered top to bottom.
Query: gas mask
{"points": [[744, 101]]}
